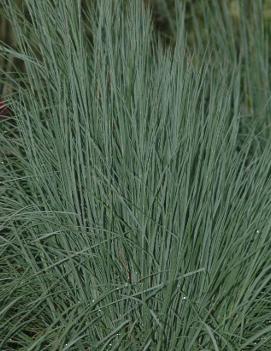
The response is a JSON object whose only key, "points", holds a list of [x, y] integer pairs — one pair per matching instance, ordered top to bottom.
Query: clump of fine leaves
{"points": [[135, 213]]}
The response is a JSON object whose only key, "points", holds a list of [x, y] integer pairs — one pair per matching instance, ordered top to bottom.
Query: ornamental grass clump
{"points": [[135, 205]]}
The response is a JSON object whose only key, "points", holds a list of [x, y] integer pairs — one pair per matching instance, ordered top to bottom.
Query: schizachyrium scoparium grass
{"points": [[135, 213]]}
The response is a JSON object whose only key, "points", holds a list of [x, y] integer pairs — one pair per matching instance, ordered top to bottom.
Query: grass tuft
{"points": [[135, 190]]}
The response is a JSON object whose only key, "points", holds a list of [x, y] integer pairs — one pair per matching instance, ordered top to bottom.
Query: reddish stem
{"points": [[4, 110]]}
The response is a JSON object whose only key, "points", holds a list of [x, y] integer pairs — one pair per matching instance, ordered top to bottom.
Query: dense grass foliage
{"points": [[135, 188]]}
